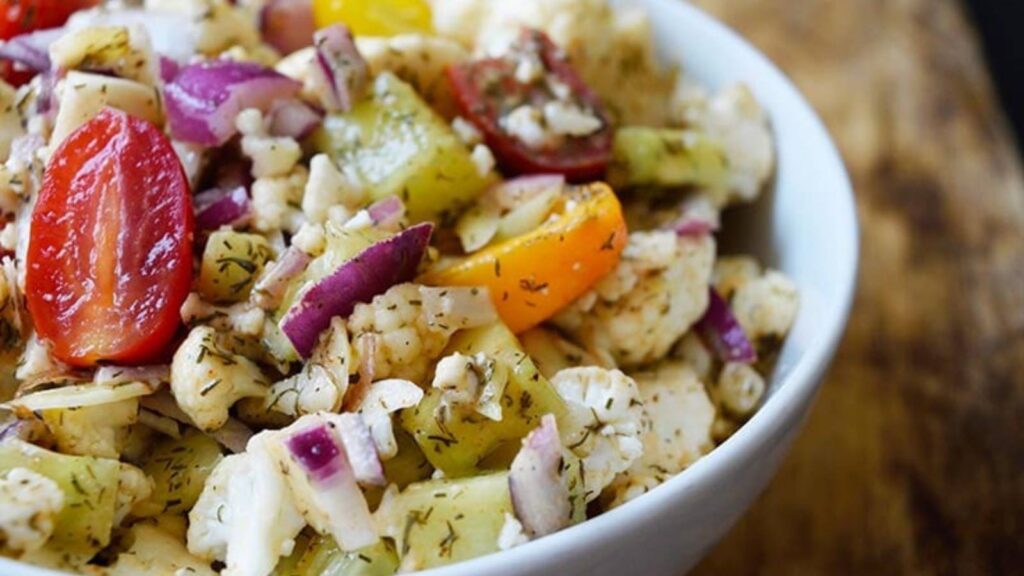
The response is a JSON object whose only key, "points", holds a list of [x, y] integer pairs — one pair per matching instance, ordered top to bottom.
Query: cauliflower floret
{"points": [[419, 60], [736, 120], [271, 156], [329, 187], [277, 201], [731, 272], [766, 306], [635, 314], [243, 317], [397, 334], [551, 352], [696, 355], [36, 361], [207, 380], [323, 381], [478, 381], [740, 389], [382, 399], [681, 416], [614, 422], [28, 504], [245, 515], [154, 551]]}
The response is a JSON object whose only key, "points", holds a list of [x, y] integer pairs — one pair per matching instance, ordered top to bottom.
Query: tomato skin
{"points": [[20, 16], [483, 89], [109, 260]]}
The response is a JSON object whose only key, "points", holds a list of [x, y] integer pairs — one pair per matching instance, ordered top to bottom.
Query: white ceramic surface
{"points": [[807, 227]]}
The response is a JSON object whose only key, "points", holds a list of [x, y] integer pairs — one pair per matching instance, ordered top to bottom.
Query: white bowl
{"points": [[807, 227]]}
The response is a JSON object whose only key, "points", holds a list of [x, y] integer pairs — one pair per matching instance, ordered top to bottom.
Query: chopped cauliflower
{"points": [[216, 24], [419, 60], [736, 120], [271, 156], [329, 187], [277, 201], [732, 272], [648, 302], [767, 306], [243, 317], [405, 341], [692, 351], [207, 379], [323, 381], [478, 381], [740, 389], [382, 399], [681, 416], [615, 423], [133, 487], [29, 502], [245, 515], [155, 551]]}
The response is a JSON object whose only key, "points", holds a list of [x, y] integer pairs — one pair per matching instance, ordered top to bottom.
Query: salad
{"points": [[354, 287]]}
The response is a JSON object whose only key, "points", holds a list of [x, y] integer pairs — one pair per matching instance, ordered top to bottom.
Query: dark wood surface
{"points": [[913, 459]]}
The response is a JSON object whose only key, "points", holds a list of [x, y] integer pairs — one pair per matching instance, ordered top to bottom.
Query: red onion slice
{"points": [[287, 25], [31, 50], [169, 69], [341, 72], [204, 99], [294, 119], [218, 207], [387, 213], [693, 227], [372, 272], [272, 285], [723, 333], [121, 375], [233, 435], [361, 450], [328, 483], [539, 497]]}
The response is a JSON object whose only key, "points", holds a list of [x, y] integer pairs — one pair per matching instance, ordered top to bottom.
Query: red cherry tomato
{"points": [[20, 16], [487, 89], [110, 251]]}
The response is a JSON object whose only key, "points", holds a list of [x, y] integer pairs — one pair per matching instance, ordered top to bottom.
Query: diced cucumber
{"points": [[397, 145], [666, 158], [232, 261], [467, 442], [408, 466], [179, 468], [90, 487], [445, 521], [323, 558]]}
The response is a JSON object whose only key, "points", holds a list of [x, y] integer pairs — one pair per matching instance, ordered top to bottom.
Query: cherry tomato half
{"points": [[21, 16], [487, 89], [110, 250]]}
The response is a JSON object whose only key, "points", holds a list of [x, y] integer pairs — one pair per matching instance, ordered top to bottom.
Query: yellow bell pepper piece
{"points": [[375, 17], [533, 276]]}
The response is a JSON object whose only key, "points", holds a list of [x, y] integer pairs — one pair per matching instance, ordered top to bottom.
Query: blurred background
{"points": [[913, 459]]}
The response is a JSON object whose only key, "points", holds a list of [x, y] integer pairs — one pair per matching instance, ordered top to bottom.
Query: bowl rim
{"points": [[780, 408]]}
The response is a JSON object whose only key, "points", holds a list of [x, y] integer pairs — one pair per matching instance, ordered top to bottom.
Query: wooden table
{"points": [[913, 459]]}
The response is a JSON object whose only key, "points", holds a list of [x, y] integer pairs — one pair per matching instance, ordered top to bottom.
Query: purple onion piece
{"points": [[31, 50], [169, 69], [341, 72], [204, 99], [294, 119], [219, 207], [387, 213], [693, 227], [372, 272], [272, 285], [723, 333], [361, 450], [316, 451], [539, 497]]}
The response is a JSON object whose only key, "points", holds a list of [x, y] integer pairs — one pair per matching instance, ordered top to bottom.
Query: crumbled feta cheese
{"points": [[568, 119], [525, 123], [466, 131], [271, 156], [483, 159], [328, 187], [276, 202], [310, 239], [382, 399]]}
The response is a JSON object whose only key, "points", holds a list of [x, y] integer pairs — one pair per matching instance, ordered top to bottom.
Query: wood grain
{"points": [[913, 459]]}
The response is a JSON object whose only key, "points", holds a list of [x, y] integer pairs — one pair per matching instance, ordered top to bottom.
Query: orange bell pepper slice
{"points": [[533, 276]]}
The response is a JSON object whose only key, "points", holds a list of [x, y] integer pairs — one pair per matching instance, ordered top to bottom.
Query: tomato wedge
{"points": [[23, 16], [486, 90], [110, 251]]}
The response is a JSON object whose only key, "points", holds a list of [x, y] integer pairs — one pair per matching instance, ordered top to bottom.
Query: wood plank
{"points": [[913, 460]]}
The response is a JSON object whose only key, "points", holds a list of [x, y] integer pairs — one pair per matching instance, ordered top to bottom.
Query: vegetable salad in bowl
{"points": [[295, 287]]}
